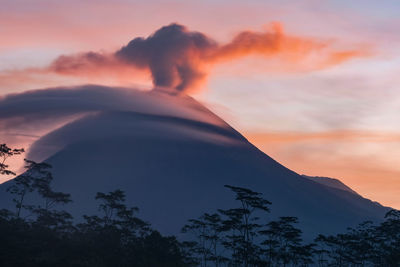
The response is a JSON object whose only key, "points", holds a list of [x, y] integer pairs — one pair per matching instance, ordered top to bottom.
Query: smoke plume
{"points": [[180, 59]]}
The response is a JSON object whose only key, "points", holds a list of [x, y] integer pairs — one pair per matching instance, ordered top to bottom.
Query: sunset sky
{"points": [[314, 84]]}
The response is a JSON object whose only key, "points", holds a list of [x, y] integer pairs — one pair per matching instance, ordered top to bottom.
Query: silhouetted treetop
{"points": [[5, 153]]}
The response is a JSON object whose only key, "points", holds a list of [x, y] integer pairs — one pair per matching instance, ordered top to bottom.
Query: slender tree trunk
{"points": [[19, 204]]}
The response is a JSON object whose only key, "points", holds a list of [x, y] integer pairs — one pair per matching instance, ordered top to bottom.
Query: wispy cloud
{"points": [[180, 59], [30, 112], [364, 160]]}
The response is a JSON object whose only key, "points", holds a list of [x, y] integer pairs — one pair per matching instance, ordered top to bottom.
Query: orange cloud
{"points": [[271, 42], [289, 49], [175, 57], [181, 59], [95, 65], [66, 70], [344, 135]]}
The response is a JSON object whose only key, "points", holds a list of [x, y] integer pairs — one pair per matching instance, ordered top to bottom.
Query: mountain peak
{"points": [[172, 156]]}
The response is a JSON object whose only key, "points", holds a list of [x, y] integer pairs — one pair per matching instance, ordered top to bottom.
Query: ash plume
{"points": [[180, 59]]}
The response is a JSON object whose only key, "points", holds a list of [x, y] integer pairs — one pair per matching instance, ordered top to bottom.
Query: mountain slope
{"points": [[174, 168], [331, 182]]}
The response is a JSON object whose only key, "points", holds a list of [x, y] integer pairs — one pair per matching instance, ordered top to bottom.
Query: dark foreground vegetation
{"points": [[45, 235]]}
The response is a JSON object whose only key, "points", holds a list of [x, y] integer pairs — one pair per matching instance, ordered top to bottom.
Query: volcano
{"points": [[172, 157]]}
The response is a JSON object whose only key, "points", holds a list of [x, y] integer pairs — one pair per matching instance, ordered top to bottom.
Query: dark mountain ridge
{"points": [[174, 168]]}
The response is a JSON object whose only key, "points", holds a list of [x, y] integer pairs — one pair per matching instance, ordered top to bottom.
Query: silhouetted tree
{"points": [[5, 153], [38, 178], [26, 183], [46, 214], [115, 214], [242, 225], [117, 237], [388, 237], [209, 239], [247, 242], [360, 242], [284, 243], [365, 245], [200, 247], [321, 251]]}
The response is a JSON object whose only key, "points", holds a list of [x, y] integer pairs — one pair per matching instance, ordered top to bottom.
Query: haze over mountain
{"points": [[172, 157]]}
